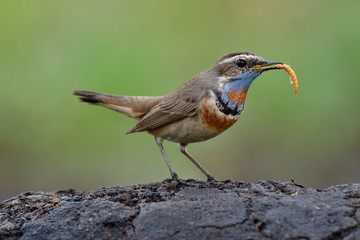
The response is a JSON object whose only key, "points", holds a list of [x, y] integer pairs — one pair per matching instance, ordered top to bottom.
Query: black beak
{"points": [[265, 66]]}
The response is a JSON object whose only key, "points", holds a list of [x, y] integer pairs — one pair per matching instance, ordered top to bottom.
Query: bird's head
{"points": [[241, 66], [234, 74]]}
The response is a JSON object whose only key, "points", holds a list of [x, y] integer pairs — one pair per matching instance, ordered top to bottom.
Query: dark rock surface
{"points": [[198, 210]]}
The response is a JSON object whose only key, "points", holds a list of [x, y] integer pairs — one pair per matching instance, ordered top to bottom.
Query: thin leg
{"points": [[159, 141], [182, 148]]}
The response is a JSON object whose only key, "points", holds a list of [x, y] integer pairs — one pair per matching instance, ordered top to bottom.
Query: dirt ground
{"points": [[194, 210]]}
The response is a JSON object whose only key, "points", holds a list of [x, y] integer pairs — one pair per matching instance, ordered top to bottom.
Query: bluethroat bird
{"points": [[200, 109]]}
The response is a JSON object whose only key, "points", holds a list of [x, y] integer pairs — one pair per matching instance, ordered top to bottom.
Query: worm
{"points": [[291, 73]]}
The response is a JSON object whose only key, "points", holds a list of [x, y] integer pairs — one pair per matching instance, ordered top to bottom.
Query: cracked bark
{"points": [[197, 210]]}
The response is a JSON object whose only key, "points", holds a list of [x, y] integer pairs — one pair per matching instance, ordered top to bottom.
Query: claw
{"points": [[175, 178], [211, 179], [178, 181]]}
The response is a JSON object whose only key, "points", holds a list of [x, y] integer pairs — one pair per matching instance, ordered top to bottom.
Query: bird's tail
{"points": [[132, 106]]}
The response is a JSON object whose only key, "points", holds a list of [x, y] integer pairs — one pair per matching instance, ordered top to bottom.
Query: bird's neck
{"points": [[233, 96]]}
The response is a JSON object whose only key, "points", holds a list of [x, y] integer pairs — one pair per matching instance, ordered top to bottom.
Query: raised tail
{"points": [[132, 106]]}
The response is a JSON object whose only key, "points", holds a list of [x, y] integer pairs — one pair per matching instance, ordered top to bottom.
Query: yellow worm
{"points": [[291, 73]]}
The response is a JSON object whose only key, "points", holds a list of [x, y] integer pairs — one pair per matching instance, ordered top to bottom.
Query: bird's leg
{"points": [[182, 148], [174, 176]]}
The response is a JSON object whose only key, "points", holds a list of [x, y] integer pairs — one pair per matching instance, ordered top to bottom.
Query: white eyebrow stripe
{"points": [[247, 57], [229, 59]]}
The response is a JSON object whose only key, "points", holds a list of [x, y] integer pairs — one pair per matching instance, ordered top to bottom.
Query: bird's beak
{"points": [[264, 66]]}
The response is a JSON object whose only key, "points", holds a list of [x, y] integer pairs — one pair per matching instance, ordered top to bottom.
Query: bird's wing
{"points": [[172, 108]]}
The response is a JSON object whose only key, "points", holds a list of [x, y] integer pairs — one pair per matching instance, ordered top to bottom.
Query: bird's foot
{"points": [[211, 179], [178, 181], [190, 182]]}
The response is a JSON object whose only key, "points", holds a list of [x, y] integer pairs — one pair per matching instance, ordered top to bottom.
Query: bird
{"points": [[199, 109]]}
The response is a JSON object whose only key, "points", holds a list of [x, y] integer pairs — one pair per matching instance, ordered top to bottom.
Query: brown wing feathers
{"points": [[173, 108], [152, 112]]}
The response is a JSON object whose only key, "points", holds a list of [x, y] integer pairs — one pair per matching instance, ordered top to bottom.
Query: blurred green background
{"points": [[50, 141]]}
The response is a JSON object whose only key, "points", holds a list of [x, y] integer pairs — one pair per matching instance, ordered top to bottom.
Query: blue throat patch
{"points": [[237, 86]]}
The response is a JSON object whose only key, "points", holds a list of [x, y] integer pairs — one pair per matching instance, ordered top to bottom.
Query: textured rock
{"points": [[198, 210]]}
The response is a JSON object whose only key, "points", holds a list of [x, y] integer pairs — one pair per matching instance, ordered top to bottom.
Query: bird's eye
{"points": [[241, 63]]}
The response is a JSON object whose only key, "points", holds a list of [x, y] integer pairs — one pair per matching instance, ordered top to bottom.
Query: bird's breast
{"points": [[213, 118]]}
